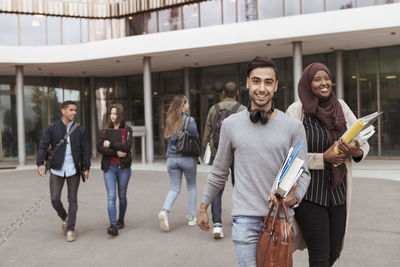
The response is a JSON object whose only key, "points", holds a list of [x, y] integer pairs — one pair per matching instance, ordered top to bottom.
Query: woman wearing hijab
{"points": [[322, 215]]}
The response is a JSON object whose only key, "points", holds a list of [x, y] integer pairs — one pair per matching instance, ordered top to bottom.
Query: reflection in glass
{"points": [[382, 2], [361, 3], [339, 4], [312, 6], [292, 7], [229, 8], [270, 9], [247, 10], [210, 13], [190, 16], [169, 19], [151, 22], [136, 25], [118, 28], [9, 29], [99, 29], [33, 30], [53, 30], [85, 30], [71, 31], [389, 65], [214, 78], [350, 80], [172, 82], [368, 90], [8, 122]]}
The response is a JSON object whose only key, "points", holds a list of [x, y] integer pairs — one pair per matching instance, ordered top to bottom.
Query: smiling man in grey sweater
{"points": [[259, 140]]}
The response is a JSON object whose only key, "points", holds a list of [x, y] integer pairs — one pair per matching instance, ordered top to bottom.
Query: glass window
{"points": [[382, 2], [361, 3], [339, 4], [312, 6], [292, 7], [229, 8], [270, 9], [247, 10], [210, 13], [190, 16], [170, 19], [151, 22], [136, 25], [118, 28], [9, 29], [99, 29], [33, 30], [53, 30], [85, 30], [71, 31], [389, 64], [214, 78], [350, 80], [172, 82], [368, 90], [8, 126]]}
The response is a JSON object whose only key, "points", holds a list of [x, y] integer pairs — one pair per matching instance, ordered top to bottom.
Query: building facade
{"points": [[142, 53]]}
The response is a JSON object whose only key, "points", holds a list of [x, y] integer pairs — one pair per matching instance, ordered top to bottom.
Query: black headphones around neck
{"points": [[260, 115]]}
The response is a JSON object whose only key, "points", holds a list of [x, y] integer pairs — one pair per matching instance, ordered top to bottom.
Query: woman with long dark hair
{"points": [[177, 163], [116, 165], [323, 212]]}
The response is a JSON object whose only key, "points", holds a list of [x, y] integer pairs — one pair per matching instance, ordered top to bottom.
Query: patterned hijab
{"points": [[327, 110]]}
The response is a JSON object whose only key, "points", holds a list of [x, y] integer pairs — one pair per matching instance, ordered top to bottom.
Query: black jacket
{"points": [[79, 145], [111, 151]]}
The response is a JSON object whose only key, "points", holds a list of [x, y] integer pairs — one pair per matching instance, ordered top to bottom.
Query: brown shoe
{"points": [[64, 227], [71, 236]]}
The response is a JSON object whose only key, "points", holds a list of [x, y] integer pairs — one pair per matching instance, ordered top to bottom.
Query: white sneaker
{"points": [[163, 217], [191, 220], [64, 227], [217, 231], [71, 236]]}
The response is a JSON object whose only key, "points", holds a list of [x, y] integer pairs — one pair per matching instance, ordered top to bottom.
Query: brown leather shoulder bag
{"points": [[274, 247]]}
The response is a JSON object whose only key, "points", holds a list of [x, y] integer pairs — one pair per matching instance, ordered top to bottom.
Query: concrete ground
{"points": [[30, 232]]}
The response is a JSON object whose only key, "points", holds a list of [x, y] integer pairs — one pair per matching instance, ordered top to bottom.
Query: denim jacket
{"points": [[192, 129]]}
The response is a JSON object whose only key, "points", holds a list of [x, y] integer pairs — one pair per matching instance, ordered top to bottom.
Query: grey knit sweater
{"points": [[259, 151]]}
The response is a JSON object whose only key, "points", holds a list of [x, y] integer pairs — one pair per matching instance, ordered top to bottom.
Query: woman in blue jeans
{"points": [[115, 146], [178, 164]]}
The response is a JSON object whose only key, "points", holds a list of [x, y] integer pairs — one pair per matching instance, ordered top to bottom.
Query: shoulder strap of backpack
{"points": [[217, 108], [235, 108], [64, 139]]}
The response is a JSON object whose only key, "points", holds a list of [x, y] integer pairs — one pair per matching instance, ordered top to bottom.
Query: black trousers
{"points": [[56, 186], [323, 230]]}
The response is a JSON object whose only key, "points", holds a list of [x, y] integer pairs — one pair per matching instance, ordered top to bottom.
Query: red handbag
{"points": [[274, 246]]}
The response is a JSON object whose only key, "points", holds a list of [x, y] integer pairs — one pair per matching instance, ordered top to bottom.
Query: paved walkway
{"points": [[30, 233]]}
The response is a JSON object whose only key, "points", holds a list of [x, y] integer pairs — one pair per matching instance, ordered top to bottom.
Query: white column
{"points": [[297, 67], [339, 74], [19, 88], [148, 114], [93, 117]]}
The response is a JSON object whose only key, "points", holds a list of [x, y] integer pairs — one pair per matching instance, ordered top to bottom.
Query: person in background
{"points": [[215, 117], [69, 161], [116, 163], [177, 163], [323, 213]]}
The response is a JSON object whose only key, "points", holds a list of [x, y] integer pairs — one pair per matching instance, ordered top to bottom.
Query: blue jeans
{"points": [[176, 167], [112, 177], [245, 231]]}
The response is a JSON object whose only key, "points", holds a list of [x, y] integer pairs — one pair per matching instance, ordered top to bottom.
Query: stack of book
{"points": [[361, 130], [288, 174]]}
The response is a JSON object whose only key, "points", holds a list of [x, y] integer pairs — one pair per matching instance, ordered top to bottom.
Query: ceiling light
{"points": [[185, 6], [194, 15], [130, 18], [166, 23], [392, 33], [268, 44], [186, 55], [117, 61], [39, 69], [353, 77], [389, 77], [363, 79], [155, 93]]}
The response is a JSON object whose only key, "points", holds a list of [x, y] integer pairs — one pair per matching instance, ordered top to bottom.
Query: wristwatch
{"points": [[296, 204]]}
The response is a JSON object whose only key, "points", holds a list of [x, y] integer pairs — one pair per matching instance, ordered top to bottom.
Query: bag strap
{"points": [[235, 107], [217, 108], [184, 123], [63, 140]]}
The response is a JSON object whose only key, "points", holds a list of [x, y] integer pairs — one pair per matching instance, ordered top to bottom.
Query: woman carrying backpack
{"points": [[177, 163]]}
